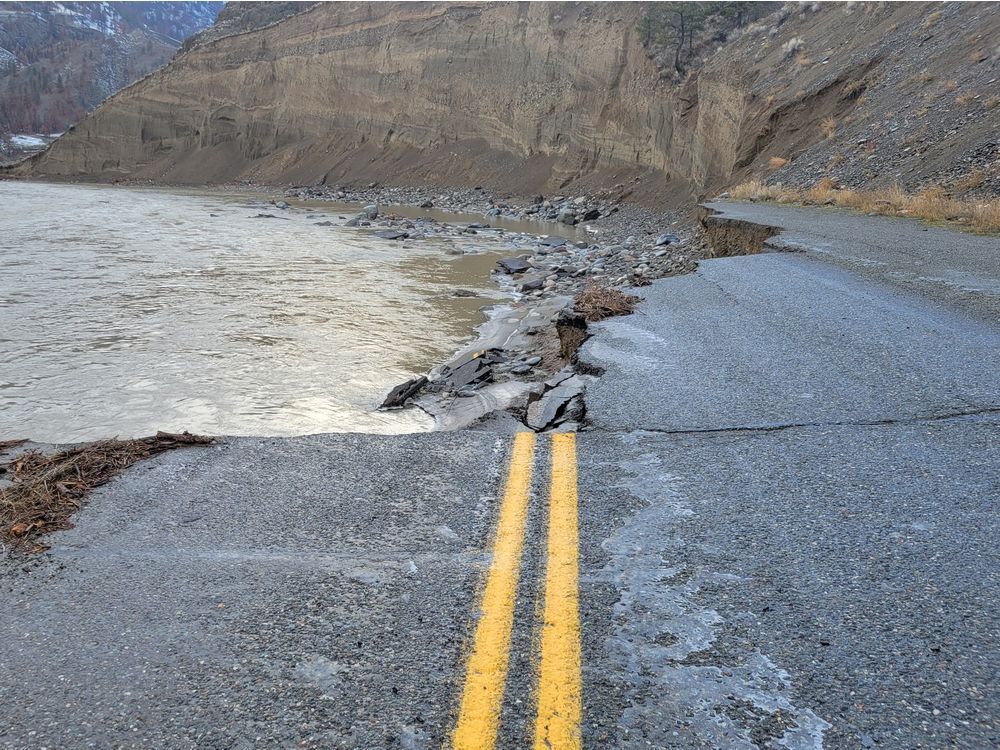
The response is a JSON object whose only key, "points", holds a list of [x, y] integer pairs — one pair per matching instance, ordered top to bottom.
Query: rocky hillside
{"points": [[60, 60], [528, 97]]}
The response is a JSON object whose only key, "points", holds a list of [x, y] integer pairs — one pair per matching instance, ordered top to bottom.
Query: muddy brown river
{"points": [[124, 311]]}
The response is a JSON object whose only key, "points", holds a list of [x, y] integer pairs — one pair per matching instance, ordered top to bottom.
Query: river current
{"points": [[124, 311]]}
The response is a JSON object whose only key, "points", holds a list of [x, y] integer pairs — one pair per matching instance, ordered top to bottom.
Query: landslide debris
{"points": [[44, 489]]}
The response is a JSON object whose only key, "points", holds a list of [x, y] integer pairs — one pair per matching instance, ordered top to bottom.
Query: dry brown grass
{"points": [[931, 20], [978, 56], [926, 77], [951, 85], [853, 88], [965, 100], [992, 102], [828, 127], [836, 160], [776, 162], [974, 179], [752, 190], [822, 192], [932, 203], [986, 215], [598, 302], [46, 489]]}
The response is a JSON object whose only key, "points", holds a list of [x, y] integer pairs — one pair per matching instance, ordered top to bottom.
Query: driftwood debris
{"points": [[45, 489]]}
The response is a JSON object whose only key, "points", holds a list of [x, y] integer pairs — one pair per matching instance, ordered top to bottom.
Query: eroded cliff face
{"points": [[530, 94], [537, 97]]}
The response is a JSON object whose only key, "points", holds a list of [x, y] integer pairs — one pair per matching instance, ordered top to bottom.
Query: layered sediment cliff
{"points": [[519, 96]]}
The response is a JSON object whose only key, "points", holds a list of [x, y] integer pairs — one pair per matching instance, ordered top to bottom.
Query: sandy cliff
{"points": [[520, 96]]}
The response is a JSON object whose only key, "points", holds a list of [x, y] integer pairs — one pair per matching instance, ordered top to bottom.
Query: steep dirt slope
{"points": [[523, 97]]}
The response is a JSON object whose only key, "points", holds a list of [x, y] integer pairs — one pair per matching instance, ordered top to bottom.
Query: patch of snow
{"points": [[28, 141]]}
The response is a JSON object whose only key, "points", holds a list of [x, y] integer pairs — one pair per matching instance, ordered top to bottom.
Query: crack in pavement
{"points": [[804, 425]]}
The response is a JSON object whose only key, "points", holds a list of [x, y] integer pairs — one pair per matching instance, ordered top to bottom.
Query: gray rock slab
{"points": [[513, 265], [544, 411], [455, 414]]}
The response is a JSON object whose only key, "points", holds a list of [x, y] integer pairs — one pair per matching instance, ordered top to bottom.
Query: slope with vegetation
{"points": [[60, 60]]}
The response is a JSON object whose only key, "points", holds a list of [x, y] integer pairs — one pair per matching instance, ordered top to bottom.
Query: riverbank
{"points": [[523, 363]]}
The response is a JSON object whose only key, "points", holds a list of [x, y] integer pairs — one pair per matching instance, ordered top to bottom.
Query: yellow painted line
{"points": [[486, 672], [560, 685]]}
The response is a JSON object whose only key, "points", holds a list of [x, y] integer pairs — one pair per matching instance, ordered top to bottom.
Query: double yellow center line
{"points": [[557, 722]]}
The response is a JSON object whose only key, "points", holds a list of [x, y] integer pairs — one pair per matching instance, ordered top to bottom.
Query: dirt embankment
{"points": [[539, 98]]}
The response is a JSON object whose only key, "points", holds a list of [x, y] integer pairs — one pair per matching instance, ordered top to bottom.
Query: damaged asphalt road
{"points": [[787, 538]]}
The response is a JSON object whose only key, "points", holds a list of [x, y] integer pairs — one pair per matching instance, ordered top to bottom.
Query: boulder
{"points": [[369, 212], [591, 215], [567, 217], [665, 239], [513, 265], [530, 285]]}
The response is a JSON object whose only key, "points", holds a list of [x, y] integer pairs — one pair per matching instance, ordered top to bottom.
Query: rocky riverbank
{"points": [[523, 364]]}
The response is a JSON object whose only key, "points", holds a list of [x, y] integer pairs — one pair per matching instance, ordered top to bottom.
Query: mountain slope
{"points": [[60, 60], [525, 97]]}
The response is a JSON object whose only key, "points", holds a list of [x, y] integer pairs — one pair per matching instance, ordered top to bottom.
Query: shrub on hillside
{"points": [[792, 47]]}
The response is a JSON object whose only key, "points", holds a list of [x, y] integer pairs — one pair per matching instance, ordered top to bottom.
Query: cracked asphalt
{"points": [[787, 539]]}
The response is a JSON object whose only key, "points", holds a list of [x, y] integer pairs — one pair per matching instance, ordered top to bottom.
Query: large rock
{"points": [[369, 212], [567, 217], [513, 265], [474, 371], [403, 392]]}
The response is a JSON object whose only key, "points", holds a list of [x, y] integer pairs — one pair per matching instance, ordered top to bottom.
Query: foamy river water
{"points": [[125, 311]]}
